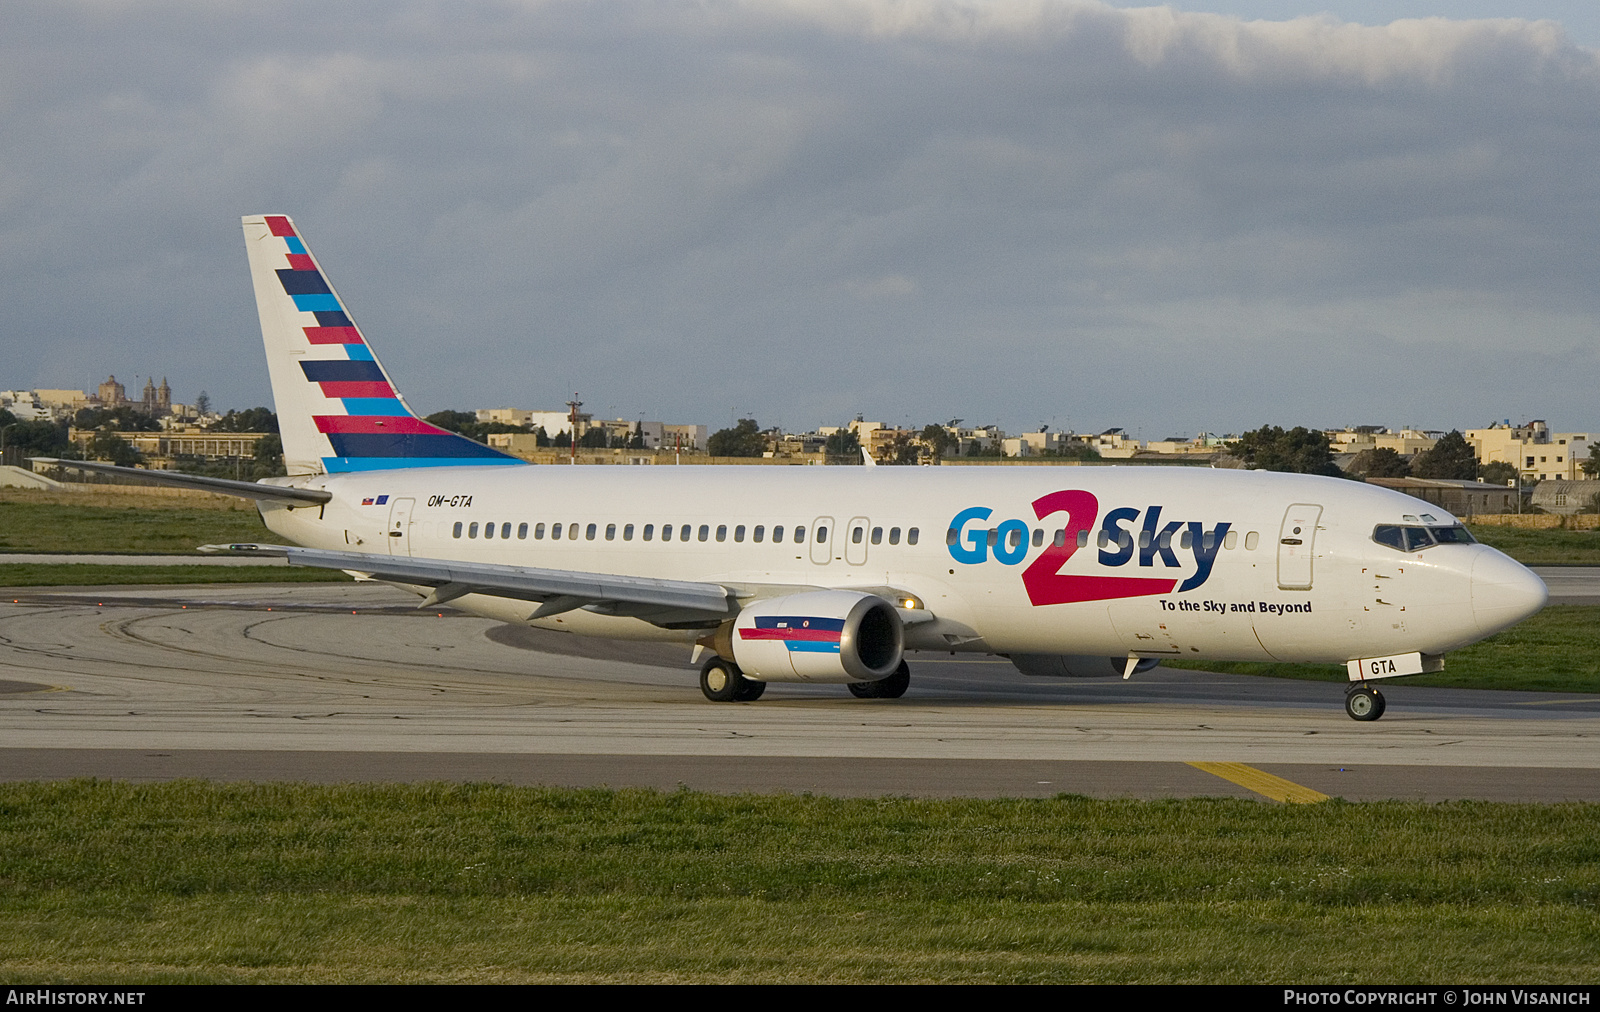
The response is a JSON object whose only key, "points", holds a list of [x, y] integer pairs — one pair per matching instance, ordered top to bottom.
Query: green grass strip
{"points": [[142, 529], [1531, 547], [85, 575], [194, 881]]}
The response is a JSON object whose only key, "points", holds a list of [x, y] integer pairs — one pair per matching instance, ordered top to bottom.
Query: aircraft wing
{"points": [[225, 486], [664, 602]]}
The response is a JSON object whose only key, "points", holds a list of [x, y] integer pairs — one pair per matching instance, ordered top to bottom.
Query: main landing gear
{"points": [[723, 682], [892, 687], [1363, 702]]}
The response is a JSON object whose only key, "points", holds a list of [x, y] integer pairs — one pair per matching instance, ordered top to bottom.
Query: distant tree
{"points": [[202, 404], [122, 418], [248, 420], [455, 421], [539, 437], [39, 438], [563, 439], [594, 439], [743, 440], [636, 441], [938, 441], [844, 443], [108, 445], [902, 450], [1299, 450], [269, 456], [1451, 457], [1382, 462], [1591, 463], [1497, 472]]}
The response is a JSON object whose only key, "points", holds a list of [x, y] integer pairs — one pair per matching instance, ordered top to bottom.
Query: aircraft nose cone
{"points": [[1504, 592]]}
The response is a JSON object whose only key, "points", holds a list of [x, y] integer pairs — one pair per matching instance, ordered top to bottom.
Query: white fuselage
{"points": [[1334, 595]]}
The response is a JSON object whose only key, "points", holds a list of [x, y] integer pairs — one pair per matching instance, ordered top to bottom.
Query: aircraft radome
{"points": [[832, 574]]}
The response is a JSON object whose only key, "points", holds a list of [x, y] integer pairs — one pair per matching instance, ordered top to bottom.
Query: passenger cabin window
{"points": [[505, 529], [472, 530], [488, 530], [649, 530], [572, 531], [457, 532], [522, 532], [555, 532], [611, 532], [627, 532], [666, 532], [705, 532], [722, 532], [760, 532], [588, 533], [738, 533], [777, 533], [856, 534], [799, 535], [822, 535], [877, 535], [894, 535], [911, 536], [1038, 537], [1083, 538], [1251, 540], [1231, 541]]}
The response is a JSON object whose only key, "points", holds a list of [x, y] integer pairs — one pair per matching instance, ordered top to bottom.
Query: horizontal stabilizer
{"points": [[221, 486], [707, 600]]}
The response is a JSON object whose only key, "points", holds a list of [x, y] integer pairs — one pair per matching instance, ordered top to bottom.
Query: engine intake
{"points": [[821, 636]]}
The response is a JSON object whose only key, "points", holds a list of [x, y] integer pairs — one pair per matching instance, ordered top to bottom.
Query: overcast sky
{"points": [[1053, 212]]}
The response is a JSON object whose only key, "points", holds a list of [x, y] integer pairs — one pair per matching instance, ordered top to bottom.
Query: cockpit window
{"points": [[1415, 539]]}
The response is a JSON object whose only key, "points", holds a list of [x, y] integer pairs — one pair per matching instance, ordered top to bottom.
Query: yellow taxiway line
{"points": [[1263, 783]]}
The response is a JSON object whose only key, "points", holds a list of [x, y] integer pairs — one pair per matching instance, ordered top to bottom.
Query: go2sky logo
{"points": [[1046, 584]]}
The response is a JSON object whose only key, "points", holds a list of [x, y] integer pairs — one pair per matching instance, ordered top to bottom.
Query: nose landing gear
{"points": [[1364, 703]]}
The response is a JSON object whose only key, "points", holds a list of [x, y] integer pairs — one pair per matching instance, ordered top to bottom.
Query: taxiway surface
{"points": [[335, 682]]}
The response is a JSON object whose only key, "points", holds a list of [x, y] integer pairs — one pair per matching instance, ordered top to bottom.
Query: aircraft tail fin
{"points": [[337, 408]]}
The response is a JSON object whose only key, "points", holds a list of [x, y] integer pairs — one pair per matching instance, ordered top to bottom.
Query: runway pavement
{"points": [[334, 682]]}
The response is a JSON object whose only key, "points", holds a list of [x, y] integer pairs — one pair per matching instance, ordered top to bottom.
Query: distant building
{"points": [[112, 393], [157, 403], [1537, 453], [1566, 497], [1463, 498]]}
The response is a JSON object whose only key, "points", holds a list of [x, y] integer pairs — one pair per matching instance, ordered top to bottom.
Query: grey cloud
{"points": [[1018, 212]]}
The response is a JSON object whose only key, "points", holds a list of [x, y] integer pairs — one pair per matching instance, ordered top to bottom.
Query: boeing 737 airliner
{"points": [[834, 574]]}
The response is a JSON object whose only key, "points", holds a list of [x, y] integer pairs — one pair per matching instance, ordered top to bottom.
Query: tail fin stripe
{"points": [[279, 225], [295, 245], [301, 262], [298, 282], [317, 304], [334, 318], [333, 335], [359, 353], [346, 371], [359, 390], [377, 407], [376, 425], [401, 444]]}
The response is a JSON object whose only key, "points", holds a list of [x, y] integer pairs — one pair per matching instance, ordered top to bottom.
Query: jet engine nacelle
{"points": [[821, 636], [1076, 665]]}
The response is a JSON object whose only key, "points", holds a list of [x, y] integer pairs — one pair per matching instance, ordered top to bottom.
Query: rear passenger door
{"points": [[822, 534]]}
